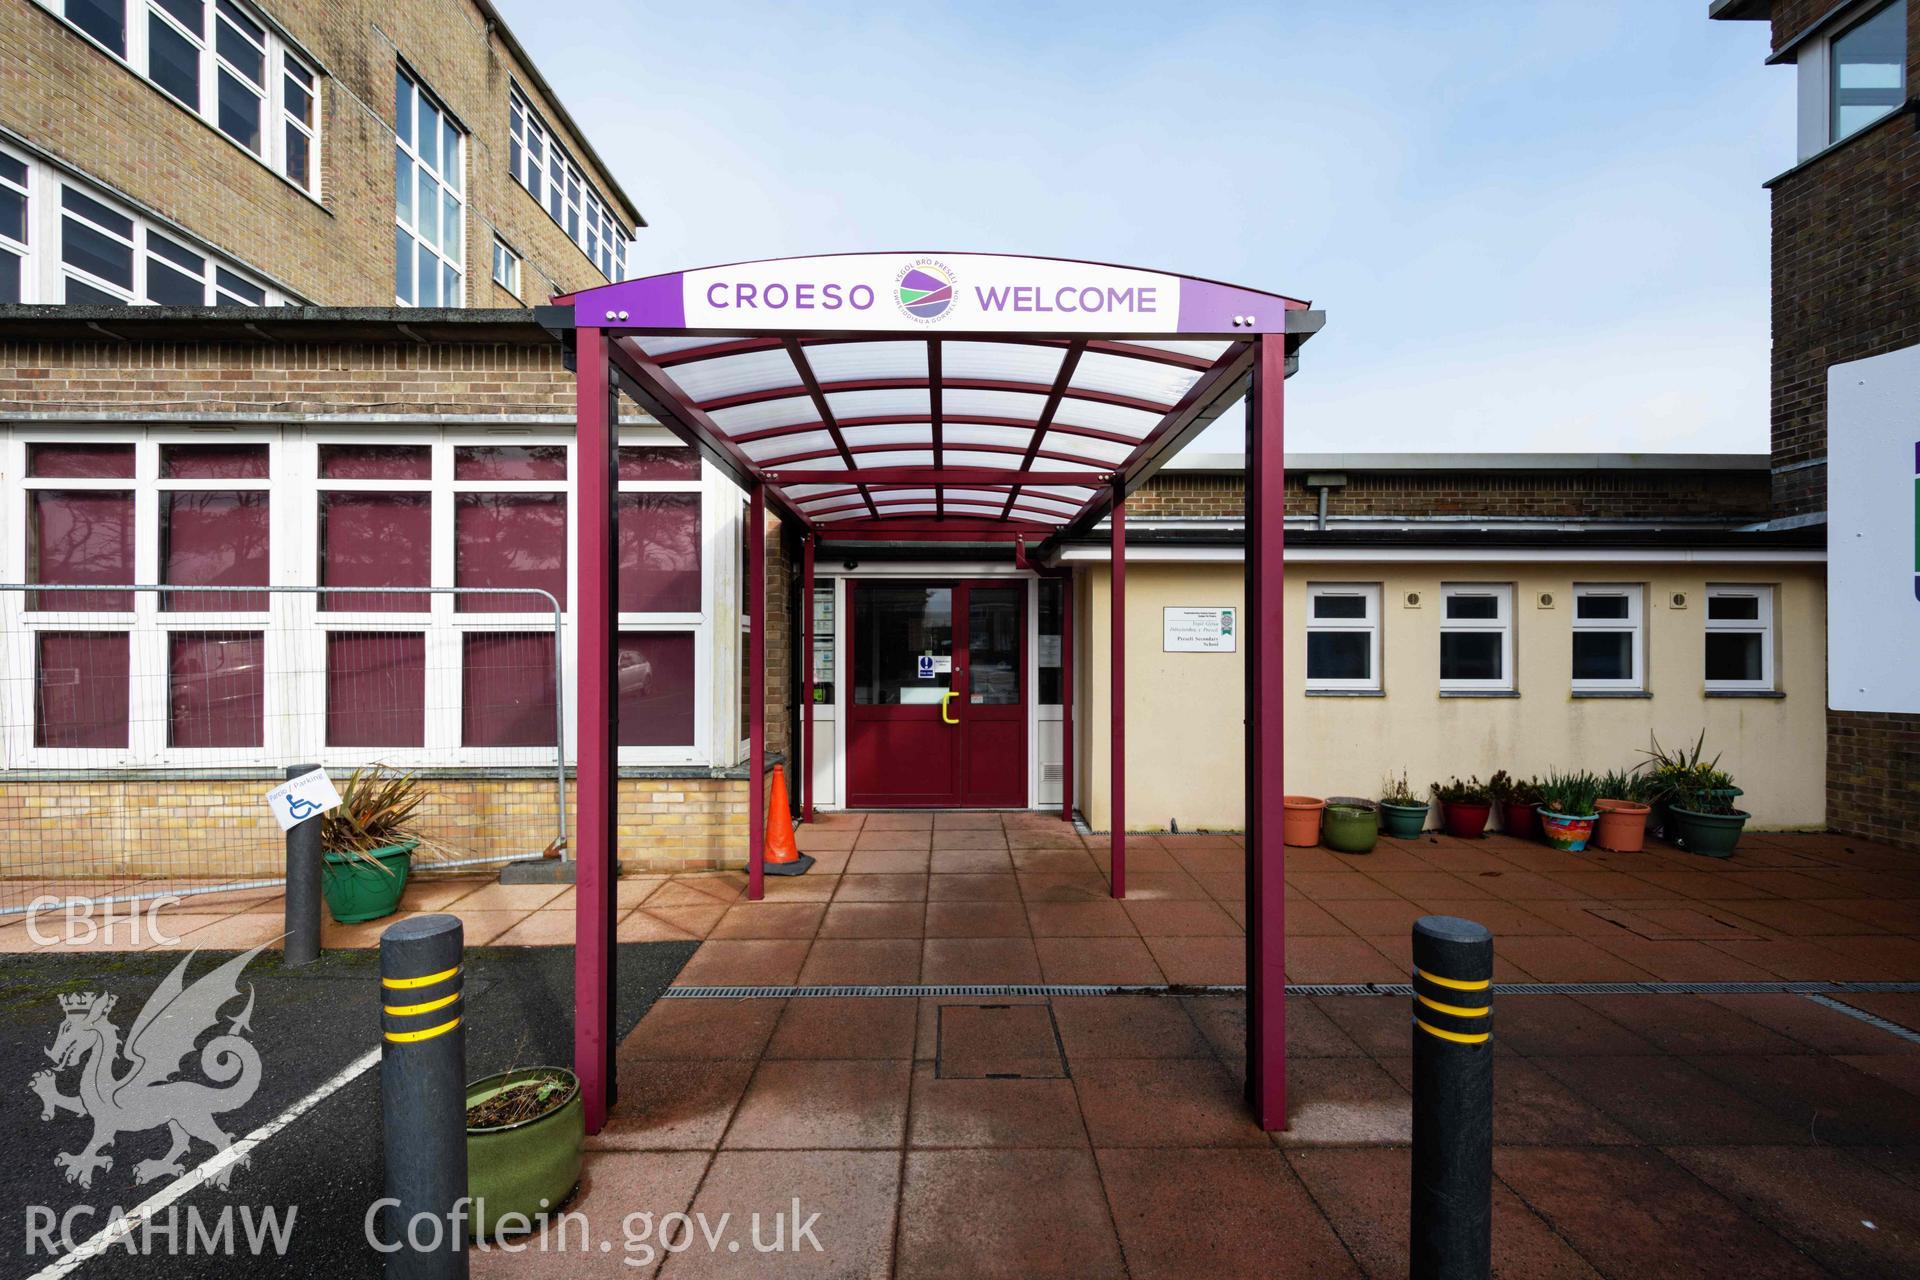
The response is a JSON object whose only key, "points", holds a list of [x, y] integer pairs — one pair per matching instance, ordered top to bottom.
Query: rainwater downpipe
{"points": [[1322, 481]]}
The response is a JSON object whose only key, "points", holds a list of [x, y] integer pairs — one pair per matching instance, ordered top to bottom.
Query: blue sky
{"points": [[1534, 225]]}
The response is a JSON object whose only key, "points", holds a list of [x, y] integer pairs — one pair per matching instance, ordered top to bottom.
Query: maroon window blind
{"points": [[80, 461], [213, 461], [376, 462], [510, 462], [658, 462], [76, 537], [214, 538], [376, 540], [510, 540], [659, 552], [216, 683], [80, 684], [376, 689], [506, 689], [656, 689]]}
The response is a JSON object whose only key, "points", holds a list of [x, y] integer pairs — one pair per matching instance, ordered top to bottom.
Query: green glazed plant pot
{"points": [[1403, 820], [1349, 829], [1568, 832], [1712, 835], [357, 891], [527, 1168]]}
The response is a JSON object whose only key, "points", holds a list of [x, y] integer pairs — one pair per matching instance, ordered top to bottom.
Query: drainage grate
{"points": [[990, 990], [1871, 1019]]}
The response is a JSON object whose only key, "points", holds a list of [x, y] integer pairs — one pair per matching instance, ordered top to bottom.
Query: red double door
{"points": [[937, 716]]}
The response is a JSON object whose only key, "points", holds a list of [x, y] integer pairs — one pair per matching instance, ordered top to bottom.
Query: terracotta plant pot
{"points": [[1466, 818], [1403, 820], [1519, 820], [1301, 825], [1622, 827], [1567, 832]]}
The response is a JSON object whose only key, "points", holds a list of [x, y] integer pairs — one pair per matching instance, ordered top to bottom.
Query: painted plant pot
{"points": [[1466, 818], [1403, 820], [1519, 820], [1300, 823], [1622, 827], [1350, 828], [1568, 832], [1712, 835], [357, 890], [526, 1168]]}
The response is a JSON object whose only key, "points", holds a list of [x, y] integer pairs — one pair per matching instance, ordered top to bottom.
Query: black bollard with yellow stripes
{"points": [[423, 1096], [1452, 1237]]}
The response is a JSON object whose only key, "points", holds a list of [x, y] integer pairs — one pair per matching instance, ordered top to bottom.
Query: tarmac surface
{"points": [[308, 1025]]}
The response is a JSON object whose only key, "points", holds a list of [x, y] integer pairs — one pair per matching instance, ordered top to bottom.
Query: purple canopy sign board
{"points": [[929, 293]]}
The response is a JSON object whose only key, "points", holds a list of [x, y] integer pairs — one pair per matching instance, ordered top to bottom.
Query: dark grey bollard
{"points": [[302, 945], [423, 1097], [1452, 1233]]}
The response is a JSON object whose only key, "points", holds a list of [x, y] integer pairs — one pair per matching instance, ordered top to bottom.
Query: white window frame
{"points": [[277, 52], [1813, 69], [541, 165], [446, 180], [21, 249], [506, 266], [44, 273], [713, 496], [1502, 623], [1368, 624], [1633, 625], [1762, 626], [147, 627]]}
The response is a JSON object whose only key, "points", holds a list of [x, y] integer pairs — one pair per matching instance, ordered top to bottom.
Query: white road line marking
{"points": [[126, 1223]]}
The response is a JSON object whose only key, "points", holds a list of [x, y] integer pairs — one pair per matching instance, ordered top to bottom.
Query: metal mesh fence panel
{"points": [[142, 725]]}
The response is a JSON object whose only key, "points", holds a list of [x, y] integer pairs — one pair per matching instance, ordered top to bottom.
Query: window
{"points": [[220, 61], [1867, 66], [541, 165], [14, 207], [430, 229], [62, 239], [506, 267], [80, 525], [214, 526], [661, 583], [1053, 595], [1343, 636], [1476, 637], [1609, 639], [1739, 640]]}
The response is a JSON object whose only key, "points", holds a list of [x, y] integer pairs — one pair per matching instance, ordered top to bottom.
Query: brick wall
{"points": [[123, 132], [1846, 285], [1611, 495], [218, 829]]}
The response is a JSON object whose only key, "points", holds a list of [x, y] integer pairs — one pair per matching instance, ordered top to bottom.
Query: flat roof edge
{"points": [[1236, 462]]}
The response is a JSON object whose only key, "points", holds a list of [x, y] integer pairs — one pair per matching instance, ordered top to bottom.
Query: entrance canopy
{"points": [[938, 396]]}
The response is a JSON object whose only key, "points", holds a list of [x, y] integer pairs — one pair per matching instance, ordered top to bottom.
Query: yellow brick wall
{"points": [[70, 99], [220, 829]]}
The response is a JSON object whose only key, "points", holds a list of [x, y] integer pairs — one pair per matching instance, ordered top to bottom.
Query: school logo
{"points": [[924, 290], [132, 1087]]}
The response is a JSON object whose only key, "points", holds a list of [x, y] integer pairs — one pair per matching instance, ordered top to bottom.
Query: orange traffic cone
{"points": [[783, 856]]}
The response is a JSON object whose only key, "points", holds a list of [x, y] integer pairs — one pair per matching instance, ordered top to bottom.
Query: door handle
{"points": [[950, 695]]}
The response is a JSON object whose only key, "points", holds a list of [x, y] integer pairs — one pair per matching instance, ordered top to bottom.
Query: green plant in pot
{"points": [[1670, 774], [1518, 800], [1464, 807], [1568, 809], [1402, 813], [1701, 813], [1350, 825], [1622, 826], [369, 841], [525, 1131]]}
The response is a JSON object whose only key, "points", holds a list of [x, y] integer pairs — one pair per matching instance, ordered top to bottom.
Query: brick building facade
{"points": [[89, 106], [1846, 285]]}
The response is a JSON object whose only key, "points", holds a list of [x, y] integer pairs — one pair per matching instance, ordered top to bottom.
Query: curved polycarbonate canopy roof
{"points": [[914, 392]]}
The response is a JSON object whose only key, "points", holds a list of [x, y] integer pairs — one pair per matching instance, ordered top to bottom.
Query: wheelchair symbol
{"points": [[299, 809]]}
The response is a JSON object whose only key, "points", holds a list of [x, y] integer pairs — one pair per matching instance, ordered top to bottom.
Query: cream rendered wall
{"points": [[1185, 711]]}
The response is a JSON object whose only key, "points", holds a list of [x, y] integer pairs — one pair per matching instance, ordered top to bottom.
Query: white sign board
{"points": [[1873, 533], [1185, 629], [307, 796]]}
